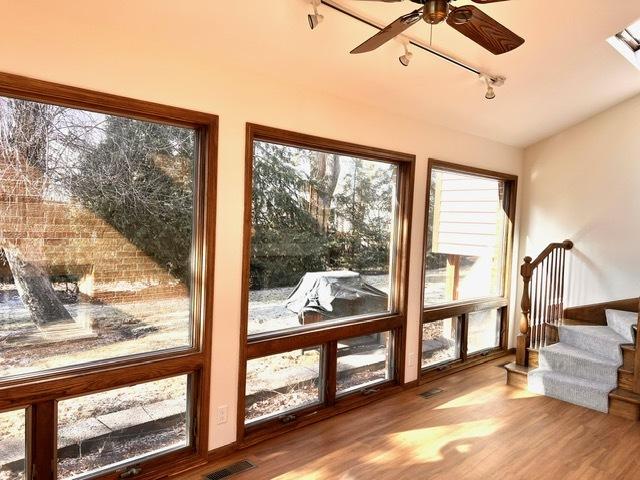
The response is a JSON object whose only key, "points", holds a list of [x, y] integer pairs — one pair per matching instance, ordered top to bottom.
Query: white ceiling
{"points": [[564, 73]]}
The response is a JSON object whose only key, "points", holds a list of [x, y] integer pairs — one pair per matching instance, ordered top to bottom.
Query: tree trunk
{"points": [[325, 172], [36, 291]]}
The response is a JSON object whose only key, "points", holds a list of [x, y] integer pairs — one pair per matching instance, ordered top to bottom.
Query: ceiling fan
{"points": [[468, 20]]}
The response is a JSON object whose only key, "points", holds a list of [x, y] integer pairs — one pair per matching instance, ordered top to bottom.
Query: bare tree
{"points": [[25, 130], [135, 175]]}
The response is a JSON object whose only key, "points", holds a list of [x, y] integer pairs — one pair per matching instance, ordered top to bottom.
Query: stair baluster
{"points": [[542, 299]]}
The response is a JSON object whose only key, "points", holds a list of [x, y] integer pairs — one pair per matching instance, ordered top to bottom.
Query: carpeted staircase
{"points": [[583, 367]]}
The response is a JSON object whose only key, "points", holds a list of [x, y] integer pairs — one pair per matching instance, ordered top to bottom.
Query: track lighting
{"points": [[315, 18], [406, 58], [491, 82], [491, 93]]}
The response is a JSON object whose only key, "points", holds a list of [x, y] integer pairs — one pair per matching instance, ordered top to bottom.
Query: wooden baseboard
{"points": [[629, 357], [458, 366], [412, 384], [345, 405], [624, 410], [218, 453]]}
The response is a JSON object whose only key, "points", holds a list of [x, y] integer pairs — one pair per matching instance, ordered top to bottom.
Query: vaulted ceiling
{"points": [[564, 73]]}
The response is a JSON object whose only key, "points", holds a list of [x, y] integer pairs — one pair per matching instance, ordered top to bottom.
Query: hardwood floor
{"points": [[478, 428]]}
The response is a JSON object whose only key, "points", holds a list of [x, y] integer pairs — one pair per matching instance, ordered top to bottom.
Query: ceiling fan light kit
{"points": [[468, 20]]}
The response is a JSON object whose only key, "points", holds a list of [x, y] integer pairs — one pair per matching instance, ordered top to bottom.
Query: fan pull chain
{"points": [[431, 34]]}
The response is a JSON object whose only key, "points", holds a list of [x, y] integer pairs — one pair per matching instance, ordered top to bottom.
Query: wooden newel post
{"points": [[522, 357]]}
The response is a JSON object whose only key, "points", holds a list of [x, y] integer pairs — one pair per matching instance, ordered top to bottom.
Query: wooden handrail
{"points": [[567, 245], [542, 297]]}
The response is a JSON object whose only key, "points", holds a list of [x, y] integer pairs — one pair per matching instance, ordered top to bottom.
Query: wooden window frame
{"points": [[461, 309], [327, 334], [39, 392]]}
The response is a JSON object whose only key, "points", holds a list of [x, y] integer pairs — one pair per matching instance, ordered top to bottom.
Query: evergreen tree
{"points": [[286, 241]]}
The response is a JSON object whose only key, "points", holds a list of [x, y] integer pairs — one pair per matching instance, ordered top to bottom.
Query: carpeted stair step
{"points": [[622, 323], [599, 340], [570, 360], [579, 391]]}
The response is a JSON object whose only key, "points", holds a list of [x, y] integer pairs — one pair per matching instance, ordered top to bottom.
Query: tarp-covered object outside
{"points": [[326, 295]]}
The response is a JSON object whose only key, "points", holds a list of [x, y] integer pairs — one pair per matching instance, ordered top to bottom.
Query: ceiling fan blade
{"points": [[484, 30], [390, 31]]}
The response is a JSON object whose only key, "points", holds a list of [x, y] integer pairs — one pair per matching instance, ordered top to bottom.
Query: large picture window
{"points": [[106, 206], [96, 228], [326, 238], [468, 242], [322, 245]]}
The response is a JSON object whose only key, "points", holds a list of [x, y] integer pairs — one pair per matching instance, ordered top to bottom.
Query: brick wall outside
{"points": [[64, 238]]}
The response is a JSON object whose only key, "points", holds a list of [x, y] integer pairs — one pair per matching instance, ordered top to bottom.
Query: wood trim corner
{"points": [[221, 452]]}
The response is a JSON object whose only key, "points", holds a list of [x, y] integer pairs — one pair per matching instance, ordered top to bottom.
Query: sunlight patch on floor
{"points": [[517, 393], [483, 396], [426, 444], [411, 447]]}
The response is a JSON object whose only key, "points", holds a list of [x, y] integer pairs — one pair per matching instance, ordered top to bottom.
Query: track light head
{"points": [[315, 18], [405, 59], [491, 82]]}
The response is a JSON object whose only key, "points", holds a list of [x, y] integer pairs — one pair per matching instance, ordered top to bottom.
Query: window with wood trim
{"points": [[106, 211], [468, 243], [326, 248]]}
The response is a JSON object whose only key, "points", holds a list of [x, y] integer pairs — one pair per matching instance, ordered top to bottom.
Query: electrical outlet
{"points": [[412, 360], [222, 414]]}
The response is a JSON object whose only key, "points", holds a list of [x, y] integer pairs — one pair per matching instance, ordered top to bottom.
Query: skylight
{"points": [[627, 42]]}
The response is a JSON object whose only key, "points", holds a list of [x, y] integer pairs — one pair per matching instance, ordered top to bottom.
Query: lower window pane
{"points": [[484, 331], [440, 342], [364, 361], [281, 383], [105, 430], [12, 445]]}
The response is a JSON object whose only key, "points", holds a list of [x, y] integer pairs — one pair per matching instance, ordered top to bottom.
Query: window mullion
{"points": [[464, 329], [330, 373], [42, 440]]}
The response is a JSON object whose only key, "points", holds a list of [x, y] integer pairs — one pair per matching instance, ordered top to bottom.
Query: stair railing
{"points": [[542, 298]]}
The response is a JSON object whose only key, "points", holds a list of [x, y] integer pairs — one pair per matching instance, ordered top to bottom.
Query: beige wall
{"points": [[76, 50], [583, 184]]}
